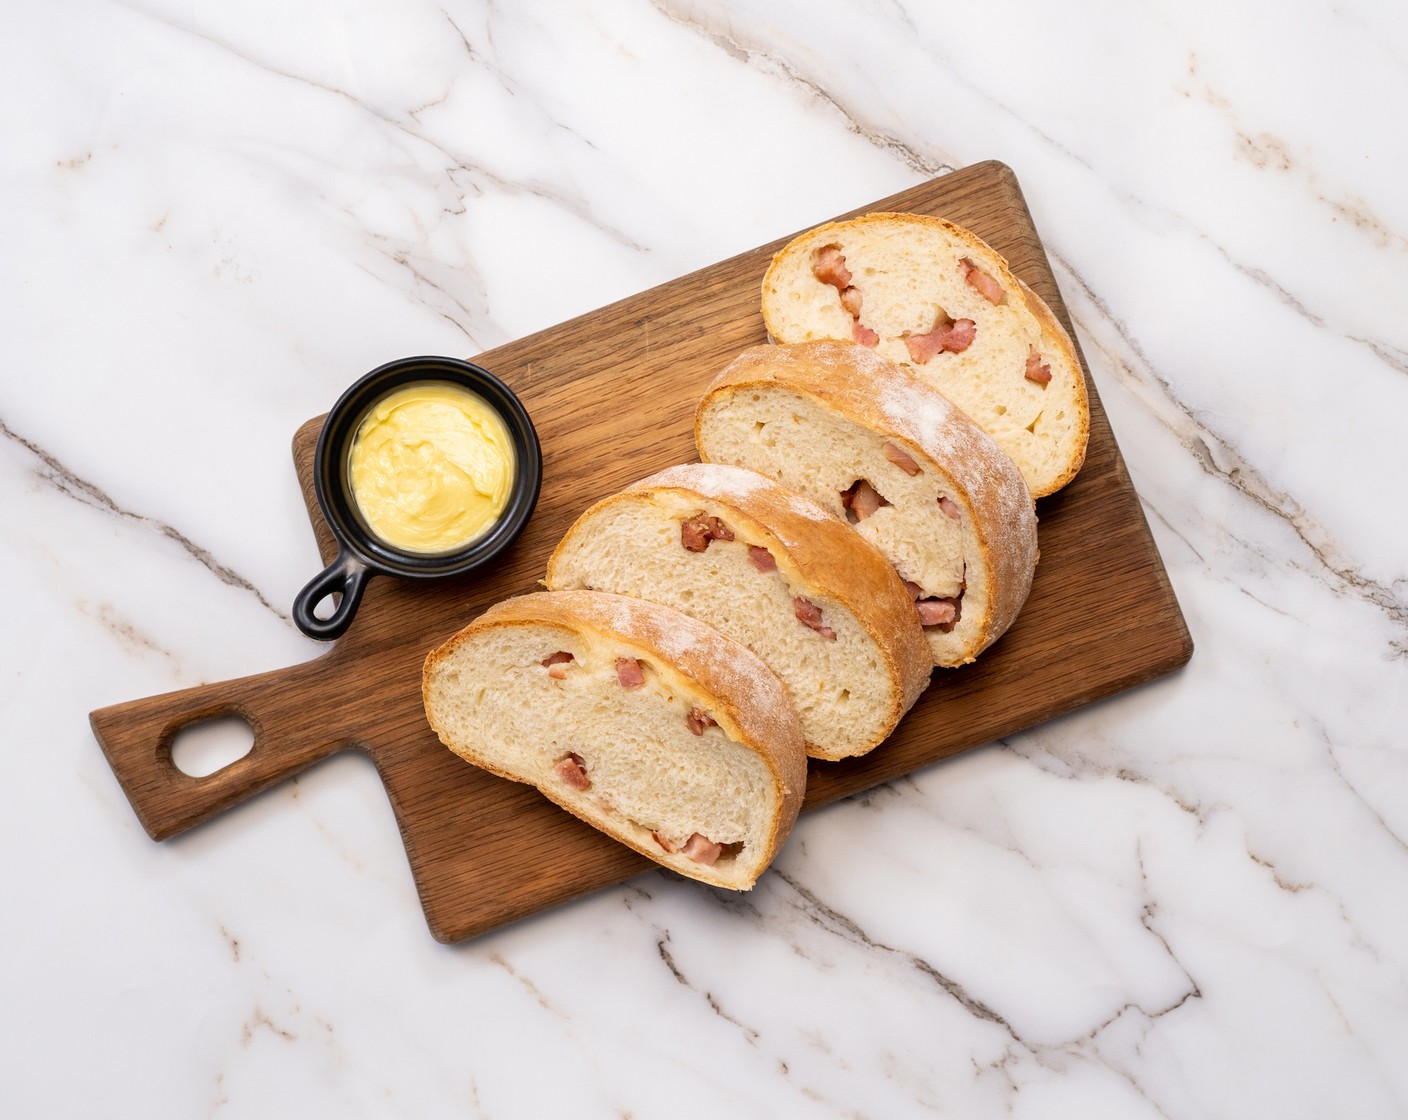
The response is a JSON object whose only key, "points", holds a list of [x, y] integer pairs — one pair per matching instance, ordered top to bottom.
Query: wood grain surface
{"points": [[612, 394]]}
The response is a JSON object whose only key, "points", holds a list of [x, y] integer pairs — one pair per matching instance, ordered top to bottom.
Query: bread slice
{"points": [[937, 299], [917, 478], [774, 571], [643, 722]]}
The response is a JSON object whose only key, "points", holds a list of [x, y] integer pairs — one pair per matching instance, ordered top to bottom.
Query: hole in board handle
{"points": [[203, 748]]}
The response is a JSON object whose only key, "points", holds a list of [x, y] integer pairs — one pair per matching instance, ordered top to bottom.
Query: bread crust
{"points": [[1058, 349], [870, 390], [818, 553], [745, 698]]}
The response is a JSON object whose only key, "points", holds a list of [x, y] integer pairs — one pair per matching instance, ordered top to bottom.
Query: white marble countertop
{"points": [[1187, 901]]}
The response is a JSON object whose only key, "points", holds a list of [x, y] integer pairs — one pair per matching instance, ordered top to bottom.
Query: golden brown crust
{"points": [[878, 394], [818, 552], [745, 697]]}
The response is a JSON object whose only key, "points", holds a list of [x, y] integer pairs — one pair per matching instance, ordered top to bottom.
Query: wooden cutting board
{"points": [[612, 394]]}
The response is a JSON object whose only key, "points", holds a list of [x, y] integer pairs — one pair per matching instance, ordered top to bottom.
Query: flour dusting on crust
{"points": [[734, 484]]}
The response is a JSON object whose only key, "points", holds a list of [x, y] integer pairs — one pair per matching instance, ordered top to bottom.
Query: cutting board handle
{"points": [[290, 734]]}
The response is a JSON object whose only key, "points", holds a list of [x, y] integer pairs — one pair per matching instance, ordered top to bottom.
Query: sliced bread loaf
{"points": [[939, 300], [914, 476], [776, 572], [647, 724]]}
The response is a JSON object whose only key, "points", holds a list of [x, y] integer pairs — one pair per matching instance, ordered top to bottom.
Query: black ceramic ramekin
{"points": [[361, 553]]}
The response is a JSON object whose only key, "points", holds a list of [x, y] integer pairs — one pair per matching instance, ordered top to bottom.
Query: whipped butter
{"points": [[431, 467]]}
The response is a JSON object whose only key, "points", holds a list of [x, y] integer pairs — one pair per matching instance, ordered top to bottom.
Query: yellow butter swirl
{"points": [[431, 467]]}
